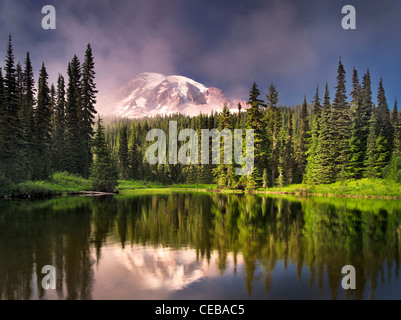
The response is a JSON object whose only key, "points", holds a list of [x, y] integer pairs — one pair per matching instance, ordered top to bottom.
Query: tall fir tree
{"points": [[356, 95], [87, 110], [27, 114], [43, 115], [254, 121], [341, 121], [396, 121], [272, 122], [384, 125], [58, 138], [357, 142], [302, 144], [74, 149], [324, 151], [289, 155], [123, 156], [134, 156], [12, 162], [311, 166], [371, 169], [104, 172], [224, 172]]}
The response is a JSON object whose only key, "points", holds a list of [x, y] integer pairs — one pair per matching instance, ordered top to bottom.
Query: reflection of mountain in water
{"points": [[173, 241], [164, 268]]}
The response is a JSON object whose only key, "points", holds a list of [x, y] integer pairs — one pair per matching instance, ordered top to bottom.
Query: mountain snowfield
{"points": [[151, 94]]}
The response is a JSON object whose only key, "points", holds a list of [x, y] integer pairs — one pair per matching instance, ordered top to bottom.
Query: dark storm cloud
{"points": [[295, 44]]}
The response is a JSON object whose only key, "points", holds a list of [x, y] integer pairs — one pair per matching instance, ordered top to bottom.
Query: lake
{"points": [[200, 246]]}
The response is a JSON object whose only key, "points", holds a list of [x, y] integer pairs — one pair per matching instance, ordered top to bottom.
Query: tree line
{"points": [[44, 129], [320, 142]]}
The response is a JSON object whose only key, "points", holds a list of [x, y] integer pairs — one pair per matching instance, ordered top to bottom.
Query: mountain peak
{"points": [[150, 94]]}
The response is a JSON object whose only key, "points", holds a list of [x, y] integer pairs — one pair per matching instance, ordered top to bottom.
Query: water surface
{"points": [[200, 246]]}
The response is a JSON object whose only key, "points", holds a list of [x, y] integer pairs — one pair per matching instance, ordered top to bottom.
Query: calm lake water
{"points": [[200, 246]]}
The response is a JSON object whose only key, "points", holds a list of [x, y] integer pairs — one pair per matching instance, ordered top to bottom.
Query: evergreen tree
{"points": [[356, 95], [317, 108], [87, 110], [27, 115], [43, 116], [254, 121], [396, 121], [272, 122], [342, 124], [384, 125], [11, 134], [303, 140], [357, 142], [74, 149], [324, 150], [371, 154], [59, 155], [289, 156], [123, 158], [135, 158], [311, 166], [224, 172], [104, 173], [265, 180]]}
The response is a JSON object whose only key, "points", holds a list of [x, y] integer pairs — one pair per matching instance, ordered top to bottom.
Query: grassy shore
{"points": [[64, 183], [58, 184], [363, 188]]}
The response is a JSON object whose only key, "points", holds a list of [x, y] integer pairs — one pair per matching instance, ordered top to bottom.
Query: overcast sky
{"points": [[295, 44]]}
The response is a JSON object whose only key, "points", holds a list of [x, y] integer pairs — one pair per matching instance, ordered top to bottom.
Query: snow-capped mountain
{"points": [[151, 94]]}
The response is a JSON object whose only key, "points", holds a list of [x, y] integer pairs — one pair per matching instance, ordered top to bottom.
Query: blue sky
{"points": [[295, 44]]}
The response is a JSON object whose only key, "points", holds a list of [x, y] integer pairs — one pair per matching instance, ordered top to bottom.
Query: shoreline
{"points": [[72, 186], [250, 192]]}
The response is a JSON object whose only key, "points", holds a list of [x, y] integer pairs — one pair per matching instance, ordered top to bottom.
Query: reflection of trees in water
{"points": [[36, 234], [319, 234]]}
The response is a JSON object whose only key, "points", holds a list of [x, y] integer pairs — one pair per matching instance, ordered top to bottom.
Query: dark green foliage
{"points": [[356, 95], [317, 108], [87, 109], [27, 115], [43, 115], [341, 121], [396, 121], [255, 122], [384, 125], [53, 131], [58, 138], [358, 139], [271, 141], [302, 143], [74, 148], [324, 152], [123, 157], [135, 157], [12, 164], [289, 164], [371, 170], [393, 170], [311, 172], [104, 173], [224, 173]]}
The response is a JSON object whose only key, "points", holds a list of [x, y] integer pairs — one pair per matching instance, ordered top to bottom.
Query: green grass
{"points": [[58, 183], [62, 183], [137, 184], [152, 187], [358, 188]]}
